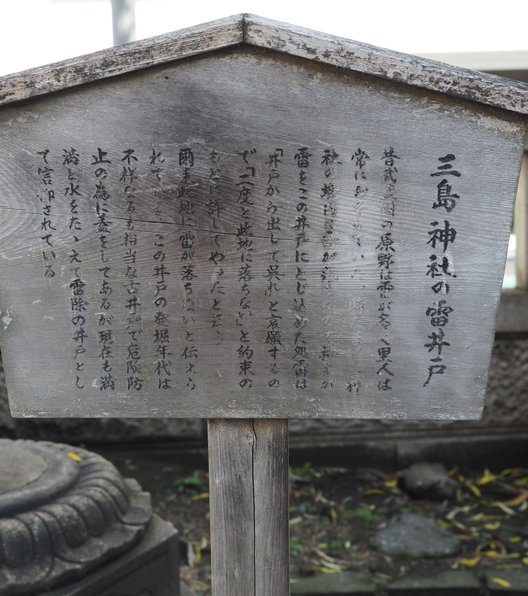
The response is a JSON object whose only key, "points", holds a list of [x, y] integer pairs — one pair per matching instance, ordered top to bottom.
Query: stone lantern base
{"points": [[71, 525], [149, 569]]}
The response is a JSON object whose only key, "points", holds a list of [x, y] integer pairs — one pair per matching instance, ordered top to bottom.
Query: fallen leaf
{"points": [[73, 456], [486, 478], [391, 483], [474, 489], [200, 497], [518, 500], [503, 507], [454, 512], [295, 520], [459, 526], [492, 526], [492, 548], [197, 553], [492, 554], [324, 557], [470, 562], [336, 569], [501, 582]]}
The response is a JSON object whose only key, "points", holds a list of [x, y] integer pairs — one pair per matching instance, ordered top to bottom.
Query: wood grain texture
{"points": [[274, 35], [121, 60], [395, 66], [241, 106], [270, 469], [248, 472]]}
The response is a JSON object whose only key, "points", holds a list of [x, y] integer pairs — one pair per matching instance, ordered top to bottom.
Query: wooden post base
{"points": [[248, 471]]}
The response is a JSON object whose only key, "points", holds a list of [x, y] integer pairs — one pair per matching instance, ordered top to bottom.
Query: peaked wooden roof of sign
{"points": [[256, 31]]}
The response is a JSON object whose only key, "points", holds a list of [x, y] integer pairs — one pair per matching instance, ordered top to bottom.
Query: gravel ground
{"points": [[336, 512]]}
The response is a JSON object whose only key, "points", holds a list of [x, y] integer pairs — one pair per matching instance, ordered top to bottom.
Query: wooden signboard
{"points": [[250, 220], [247, 233]]}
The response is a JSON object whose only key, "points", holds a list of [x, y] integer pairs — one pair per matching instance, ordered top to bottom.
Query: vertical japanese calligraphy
{"points": [[360, 159], [329, 161], [46, 196], [215, 206], [186, 212], [103, 225], [247, 234], [245, 249], [386, 254], [184, 259], [440, 267], [160, 273], [274, 274], [79, 303], [134, 319], [300, 355]]}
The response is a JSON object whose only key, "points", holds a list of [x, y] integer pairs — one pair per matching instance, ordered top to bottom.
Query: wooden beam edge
{"points": [[274, 35], [121, 60], [387, 64], [402, 68]]}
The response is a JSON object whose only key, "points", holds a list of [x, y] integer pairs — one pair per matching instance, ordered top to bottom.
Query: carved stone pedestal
{"points": [[71, 525]]}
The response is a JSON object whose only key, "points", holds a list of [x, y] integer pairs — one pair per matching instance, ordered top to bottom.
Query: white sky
{"points": [[35, 32]]}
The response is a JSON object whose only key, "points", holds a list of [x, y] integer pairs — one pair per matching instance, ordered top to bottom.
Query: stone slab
{"points": [[149, 569], [449, 583], [518, 583], [337, 584]]}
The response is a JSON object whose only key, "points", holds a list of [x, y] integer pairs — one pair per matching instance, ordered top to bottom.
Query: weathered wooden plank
{"points": [[282, 37], [121, 60], [387, 64], [254, 113], [248, 471], [232, 506], [271, 508]]}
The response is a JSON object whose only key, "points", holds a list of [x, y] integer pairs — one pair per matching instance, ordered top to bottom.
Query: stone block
{"points": [[71, 525], [151, 568], [448, 583], [508, 583], [338, 584]]}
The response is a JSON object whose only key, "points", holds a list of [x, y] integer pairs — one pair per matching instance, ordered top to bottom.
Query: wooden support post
{"points": [[248, 471]]}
